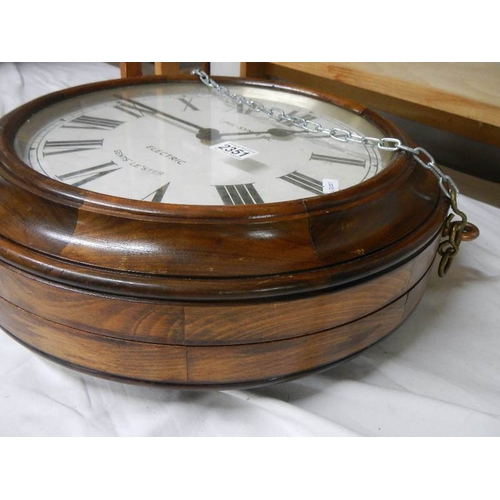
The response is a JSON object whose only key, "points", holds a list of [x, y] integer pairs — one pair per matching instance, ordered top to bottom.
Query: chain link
{"points": [[454, 229]]}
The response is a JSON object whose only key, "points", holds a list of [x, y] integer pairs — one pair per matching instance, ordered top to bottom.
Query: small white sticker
{"points": [[234, 150], [330, 186]]}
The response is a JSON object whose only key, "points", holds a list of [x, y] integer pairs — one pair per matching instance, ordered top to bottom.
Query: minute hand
{"points": [[140, 106], [276, 132]]}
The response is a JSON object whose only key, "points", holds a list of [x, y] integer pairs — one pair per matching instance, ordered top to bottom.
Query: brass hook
{"points": [[456, 231]]}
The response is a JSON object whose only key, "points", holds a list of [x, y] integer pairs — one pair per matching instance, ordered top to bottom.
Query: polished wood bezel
{"points": [[159, 268]]}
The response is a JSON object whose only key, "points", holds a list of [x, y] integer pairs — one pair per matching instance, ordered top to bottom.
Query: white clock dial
{"points": [[182, 144]]}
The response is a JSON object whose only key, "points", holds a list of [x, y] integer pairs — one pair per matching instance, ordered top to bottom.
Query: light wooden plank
{"points": [[167, 68], [130, 69], [470, 90]]}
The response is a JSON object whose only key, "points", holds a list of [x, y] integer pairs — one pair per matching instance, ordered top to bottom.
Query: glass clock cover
{"points": [[181, 144]]}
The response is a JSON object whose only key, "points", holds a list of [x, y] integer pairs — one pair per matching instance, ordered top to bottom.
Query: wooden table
{"points": [[463, 98]]}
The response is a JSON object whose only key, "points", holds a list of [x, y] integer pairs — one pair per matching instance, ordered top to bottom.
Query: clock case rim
{"points": [[60, 192], [183, 281]]}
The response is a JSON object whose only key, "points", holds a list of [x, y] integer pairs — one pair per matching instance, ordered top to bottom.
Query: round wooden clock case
{"points": [[211, 296]]}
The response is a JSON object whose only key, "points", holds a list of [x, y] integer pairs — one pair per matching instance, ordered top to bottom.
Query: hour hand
{"points": [[275, 132]]}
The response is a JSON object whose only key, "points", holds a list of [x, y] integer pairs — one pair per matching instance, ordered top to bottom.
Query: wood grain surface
{"points": [[469, 89], [461, 97], [195, 296], [182, 323], [198, 366]]}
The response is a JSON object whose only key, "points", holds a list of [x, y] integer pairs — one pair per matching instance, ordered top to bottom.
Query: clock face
{"points": [[181, 143]]}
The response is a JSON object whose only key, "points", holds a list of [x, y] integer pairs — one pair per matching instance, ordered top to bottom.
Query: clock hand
{"points": [[144, 108], [276, 132], [204, 134]]}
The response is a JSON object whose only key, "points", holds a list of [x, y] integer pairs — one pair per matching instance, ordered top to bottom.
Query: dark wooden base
{"points": [[355, 318], [192, 387]]}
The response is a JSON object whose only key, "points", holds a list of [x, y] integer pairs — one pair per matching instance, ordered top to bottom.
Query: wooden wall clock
{"points": [[157, 230]]}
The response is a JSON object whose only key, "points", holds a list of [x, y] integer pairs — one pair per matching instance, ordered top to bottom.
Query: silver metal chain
{"points": [[422, 156], [455, 230]]}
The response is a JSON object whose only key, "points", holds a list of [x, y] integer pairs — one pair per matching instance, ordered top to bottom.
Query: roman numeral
{"points": [[189, 104], [134, 108], [241, 108], [305, 116], [93, 123], [63, 147], [338, 159], [89, 174], [304, 182], [239, 194], [157, 195]]}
